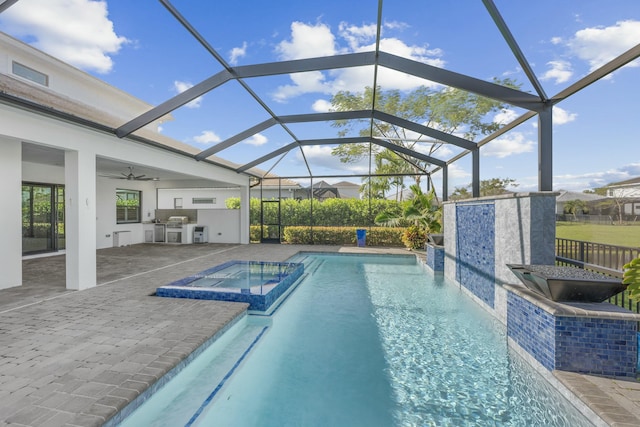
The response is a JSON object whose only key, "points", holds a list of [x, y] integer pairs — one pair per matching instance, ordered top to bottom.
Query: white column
{"points": [[10, 214], [244, 214], [80, 219]]}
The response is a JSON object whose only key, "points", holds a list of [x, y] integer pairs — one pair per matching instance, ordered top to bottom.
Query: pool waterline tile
{"points": [[258, 283]]}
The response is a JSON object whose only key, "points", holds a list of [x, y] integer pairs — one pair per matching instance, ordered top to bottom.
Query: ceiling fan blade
{"points": [[113, 176]]}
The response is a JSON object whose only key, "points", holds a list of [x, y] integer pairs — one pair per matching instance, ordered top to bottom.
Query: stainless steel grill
{"points": [[177, 221]]}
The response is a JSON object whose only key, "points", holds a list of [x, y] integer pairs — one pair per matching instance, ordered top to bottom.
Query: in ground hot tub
{"points": [[255, 282], [562, 283]]}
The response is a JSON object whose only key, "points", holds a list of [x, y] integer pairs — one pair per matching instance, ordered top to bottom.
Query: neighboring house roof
{"points": [[270, 179], [275, 181], [628, 182], [322, 184], [346, 184], [566, 196]]}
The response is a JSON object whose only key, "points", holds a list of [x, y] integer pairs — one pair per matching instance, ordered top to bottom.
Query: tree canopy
{"points": [[449, 110], [488, 187]]}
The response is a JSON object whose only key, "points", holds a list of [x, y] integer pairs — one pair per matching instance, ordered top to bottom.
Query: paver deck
{"points": [[75, 358]]}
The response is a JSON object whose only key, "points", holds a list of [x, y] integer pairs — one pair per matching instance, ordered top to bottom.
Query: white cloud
{"points": [[395, 25], [356, 36], [308, 40], [88, 43], [599, 45], [237, 52], [560, 71], [312, 81], [180, 87], [321, 106], [505, 116], [561, 116], [207, 137], [257, 140], [513, 143], [443, 151], [319, 156], [455, 172], [591, 180]]}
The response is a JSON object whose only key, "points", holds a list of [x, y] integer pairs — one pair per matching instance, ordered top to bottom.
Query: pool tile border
{"points": [[258, 301]]}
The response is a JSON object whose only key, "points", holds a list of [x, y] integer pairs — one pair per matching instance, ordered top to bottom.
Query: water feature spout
{"points": [[569, 284]]}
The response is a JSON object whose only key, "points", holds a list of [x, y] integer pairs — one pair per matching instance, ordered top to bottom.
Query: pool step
{"points": [[198, 383]]}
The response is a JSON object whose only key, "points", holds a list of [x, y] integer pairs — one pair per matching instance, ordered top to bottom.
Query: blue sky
{"points": [[140, 48]]}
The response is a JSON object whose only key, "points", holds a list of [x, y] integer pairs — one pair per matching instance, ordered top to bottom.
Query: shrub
{"points": [[331, 212], [376, 236], [414, 237]]}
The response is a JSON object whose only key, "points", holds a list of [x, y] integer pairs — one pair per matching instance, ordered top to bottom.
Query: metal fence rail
{"points": [[603, 255], [602, 258]]}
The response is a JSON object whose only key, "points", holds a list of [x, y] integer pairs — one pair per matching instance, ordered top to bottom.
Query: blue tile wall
{"points": [[475, 249], [435, 258], [532, 328], [586, 345], [596, 346]]}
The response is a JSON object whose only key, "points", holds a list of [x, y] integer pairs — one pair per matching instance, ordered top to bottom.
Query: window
{"points": [[29, 74], [203, 201], [128, 206]]}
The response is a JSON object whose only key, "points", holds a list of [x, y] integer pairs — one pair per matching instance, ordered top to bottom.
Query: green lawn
{"points": [[620, 235]]}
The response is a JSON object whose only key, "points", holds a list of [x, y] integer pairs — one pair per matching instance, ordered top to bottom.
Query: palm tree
{"points": [[574, 206], [422, 210], [424, 214]]}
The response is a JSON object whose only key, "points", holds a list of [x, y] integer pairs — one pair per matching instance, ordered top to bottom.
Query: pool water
{"points": [[364, 341]]}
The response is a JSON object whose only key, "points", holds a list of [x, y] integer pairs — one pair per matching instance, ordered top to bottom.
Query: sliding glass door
{"points": [[42, 218]]}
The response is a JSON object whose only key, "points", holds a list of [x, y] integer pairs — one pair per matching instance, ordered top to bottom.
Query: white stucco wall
{"points": [[37, 172], [167, 196], [90, 201], [10, 214], [106, 222], [223, 224]]}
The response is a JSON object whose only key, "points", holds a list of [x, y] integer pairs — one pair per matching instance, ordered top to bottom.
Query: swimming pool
{"points": [[258, 283], [363, 341]]}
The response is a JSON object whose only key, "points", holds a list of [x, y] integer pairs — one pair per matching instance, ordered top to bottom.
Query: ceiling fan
{"points": [[131, 176]]}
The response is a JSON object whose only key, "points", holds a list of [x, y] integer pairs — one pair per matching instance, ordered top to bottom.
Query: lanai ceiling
{"points": [[258, 94]]}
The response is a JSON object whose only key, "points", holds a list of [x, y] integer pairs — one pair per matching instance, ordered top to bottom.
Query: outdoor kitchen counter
{"points": [[170, 234]]}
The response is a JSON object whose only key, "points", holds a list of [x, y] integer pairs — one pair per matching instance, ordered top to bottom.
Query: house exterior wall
{"points": [[68, 81], [10, 188], [623, 192], [167, 196], [90, 201], [106, 222], [223, 224]]}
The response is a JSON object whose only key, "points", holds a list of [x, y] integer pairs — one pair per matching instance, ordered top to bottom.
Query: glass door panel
{"points": [[42, 218], [59, 218], [270, 224]]}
